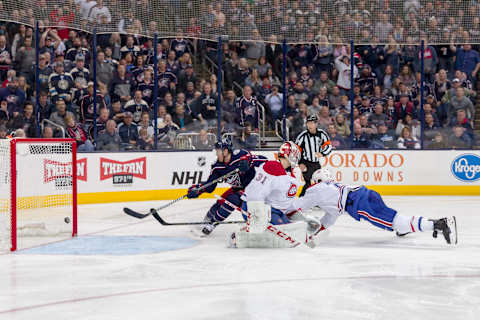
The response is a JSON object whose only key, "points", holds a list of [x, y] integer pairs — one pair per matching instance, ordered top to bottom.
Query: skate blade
{"points": [[452, 224], [197, 232]]}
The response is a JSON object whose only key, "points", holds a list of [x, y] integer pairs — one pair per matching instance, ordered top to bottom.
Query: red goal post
{"points": [[40, 178]]}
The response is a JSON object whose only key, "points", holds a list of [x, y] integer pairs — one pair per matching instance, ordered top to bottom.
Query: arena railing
{"points": [[51, 123], [279, 129], [233, 135], [187, 141]]}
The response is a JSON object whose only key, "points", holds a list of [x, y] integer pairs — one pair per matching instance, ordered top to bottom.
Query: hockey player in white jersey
{"points": [[274, 184], [268, 198], [365, 204]]}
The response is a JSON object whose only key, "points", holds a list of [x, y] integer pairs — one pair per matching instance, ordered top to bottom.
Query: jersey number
{"points": [[261, 178]]}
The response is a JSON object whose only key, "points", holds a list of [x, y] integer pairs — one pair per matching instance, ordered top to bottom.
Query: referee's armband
{"points": [[326, 148]]}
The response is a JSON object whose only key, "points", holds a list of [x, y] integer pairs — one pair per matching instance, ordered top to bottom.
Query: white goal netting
{"points": [[296, 21], [5, 205], [42, 206]]}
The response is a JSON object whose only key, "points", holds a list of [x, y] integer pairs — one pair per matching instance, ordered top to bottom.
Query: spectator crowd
{"points": [[385, 109]]}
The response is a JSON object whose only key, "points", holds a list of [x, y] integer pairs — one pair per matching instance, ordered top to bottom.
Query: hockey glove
{"points": [[194, 191], [313, 224]]}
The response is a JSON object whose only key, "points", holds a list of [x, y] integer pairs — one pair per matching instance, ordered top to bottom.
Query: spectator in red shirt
{"points": [[403, 107], [76, 132]]}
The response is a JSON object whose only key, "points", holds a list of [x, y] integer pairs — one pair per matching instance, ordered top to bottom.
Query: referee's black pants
{"points": [[307, 175]]}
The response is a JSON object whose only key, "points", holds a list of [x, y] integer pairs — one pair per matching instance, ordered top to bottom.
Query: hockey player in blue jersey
{"points": [[227, 161], [362, 203]]}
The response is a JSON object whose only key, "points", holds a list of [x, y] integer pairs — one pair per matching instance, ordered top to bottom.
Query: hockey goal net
{"points": [[38, 192]]}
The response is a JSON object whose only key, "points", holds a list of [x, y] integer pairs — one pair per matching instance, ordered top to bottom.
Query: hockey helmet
{"points": [[224, 143], [290, 151], [322, 175]]}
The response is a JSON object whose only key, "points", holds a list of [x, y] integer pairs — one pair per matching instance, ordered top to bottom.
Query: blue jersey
{"points": [[248, 109], [239, 180]]}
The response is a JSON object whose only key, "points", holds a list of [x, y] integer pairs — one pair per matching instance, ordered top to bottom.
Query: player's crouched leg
{"points": [[220, 211], [278, 217]]}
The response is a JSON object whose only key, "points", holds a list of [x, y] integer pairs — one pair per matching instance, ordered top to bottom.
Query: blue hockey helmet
{"points": [[224, 143]]}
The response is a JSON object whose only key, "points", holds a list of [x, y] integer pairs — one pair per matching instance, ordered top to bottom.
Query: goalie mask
{"points": [[291, 152], [322, 175]]}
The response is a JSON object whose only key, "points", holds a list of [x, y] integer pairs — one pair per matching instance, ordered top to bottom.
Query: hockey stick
{"points": [[139, 215], [163, 222], [270, 227]]}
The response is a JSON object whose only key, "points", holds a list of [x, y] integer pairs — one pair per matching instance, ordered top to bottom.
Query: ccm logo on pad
{"points": [[283, 235]]}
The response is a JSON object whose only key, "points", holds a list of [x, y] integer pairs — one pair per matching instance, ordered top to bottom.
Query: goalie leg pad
{"points": [[259, 215], [277, 216], [269, 238]]}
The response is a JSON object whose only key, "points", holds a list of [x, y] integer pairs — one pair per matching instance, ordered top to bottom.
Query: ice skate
{"points": [[448, 227], [205, 229]]}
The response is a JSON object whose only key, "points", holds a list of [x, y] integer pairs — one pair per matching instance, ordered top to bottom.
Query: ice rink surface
{"points": [[357, 272]]}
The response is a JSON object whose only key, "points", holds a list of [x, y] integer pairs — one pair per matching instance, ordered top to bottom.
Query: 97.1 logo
{"points": [[466, 167]]}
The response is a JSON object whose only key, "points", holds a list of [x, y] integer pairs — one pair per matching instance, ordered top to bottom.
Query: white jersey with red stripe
{"points": [[272, 185], [330, 196]]}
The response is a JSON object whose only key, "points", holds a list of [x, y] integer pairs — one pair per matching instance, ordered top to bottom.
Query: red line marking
{"points": [[229, 284]]}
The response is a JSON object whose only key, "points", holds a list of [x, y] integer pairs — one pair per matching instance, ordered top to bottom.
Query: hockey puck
{"points": [[67, 220]]}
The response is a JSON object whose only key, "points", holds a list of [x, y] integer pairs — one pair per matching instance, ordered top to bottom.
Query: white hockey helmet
{"points": [[290, 151], [322, 175]]}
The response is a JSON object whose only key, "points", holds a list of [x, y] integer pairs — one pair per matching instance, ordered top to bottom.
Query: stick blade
{"points": [[135, 214], [158, 218]]}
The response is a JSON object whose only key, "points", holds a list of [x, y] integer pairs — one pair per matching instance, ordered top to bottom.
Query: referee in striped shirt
{"points": [[315, 143]]}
